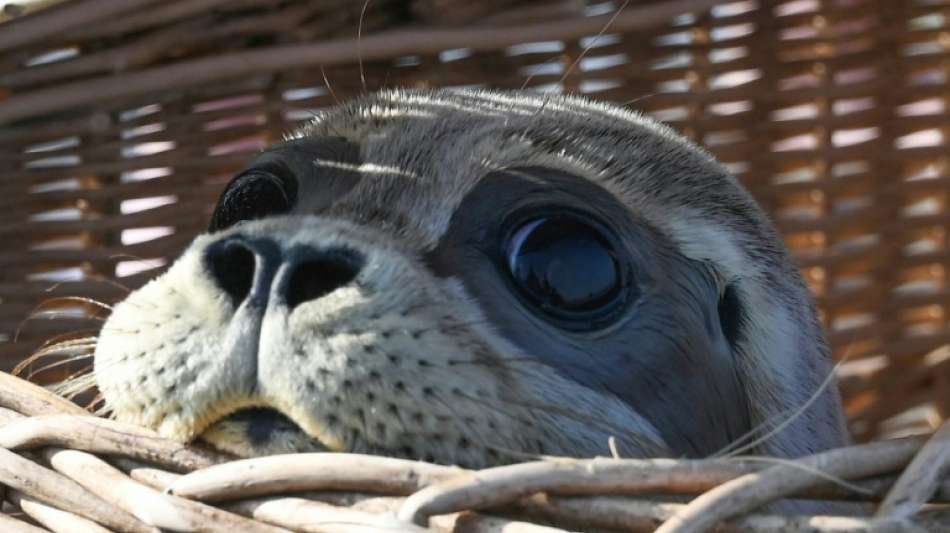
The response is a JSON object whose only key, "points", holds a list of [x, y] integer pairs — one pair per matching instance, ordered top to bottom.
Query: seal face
{"points": [[477, 278]]}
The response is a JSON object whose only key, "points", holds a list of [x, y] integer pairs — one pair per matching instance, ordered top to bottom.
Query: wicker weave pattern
{"points": [[832, 112], [69, 471]]}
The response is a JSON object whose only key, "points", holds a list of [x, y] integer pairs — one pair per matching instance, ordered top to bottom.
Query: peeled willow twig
{"points": [[35, 28], [380, 46], [32, 400], [9, 415], [100, 435], [310, 471], [153, 477], [919, 481], [496, 486], [873, 489], [59, 491], [452, 491], [750, 491], [150, 506], [614, 512], [344, 514], [305, 515], [314, 516], [54, 519], [478, 523], [12, 525]]}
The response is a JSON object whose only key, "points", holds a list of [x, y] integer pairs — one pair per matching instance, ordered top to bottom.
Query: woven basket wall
{"points": [[121, 120]]}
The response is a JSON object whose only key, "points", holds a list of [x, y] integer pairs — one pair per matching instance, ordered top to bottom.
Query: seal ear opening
{"points": [[731, 314]]}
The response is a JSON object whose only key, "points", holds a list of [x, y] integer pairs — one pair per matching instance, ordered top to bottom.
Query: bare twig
{"points": [[35, 28], [374, 47], [32, 400], [104, 436], [309, 471], [919, 481], [496, 486], [59, 491], [748, 492], [150, 506], [340, 512], [613, 512], [306, 515], [55, 519], [12, 525]]}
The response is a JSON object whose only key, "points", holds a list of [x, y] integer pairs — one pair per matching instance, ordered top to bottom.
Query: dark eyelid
{"points": [[276, 171], [230, 209]]}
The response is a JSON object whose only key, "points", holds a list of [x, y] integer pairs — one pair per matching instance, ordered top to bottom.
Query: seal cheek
{"points": [[175, 351]]}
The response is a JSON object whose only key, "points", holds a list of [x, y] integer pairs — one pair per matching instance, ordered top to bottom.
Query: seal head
{"points": [[476, 278]]}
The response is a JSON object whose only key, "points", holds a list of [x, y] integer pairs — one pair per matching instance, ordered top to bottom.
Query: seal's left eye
{"points": [[255, 193], [567, 268]]}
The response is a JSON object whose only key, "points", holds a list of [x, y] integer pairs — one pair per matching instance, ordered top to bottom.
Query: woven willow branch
{"points": [[386, 45], [115, 477]]}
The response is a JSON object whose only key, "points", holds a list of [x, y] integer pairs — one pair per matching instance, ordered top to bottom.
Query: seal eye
{"points": [[255, 193], [567, 268]]}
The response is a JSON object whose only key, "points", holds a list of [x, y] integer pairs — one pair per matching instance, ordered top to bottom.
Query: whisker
{"points": [[593, 42], [359, 44], [584, 52], [577, 60], [326, 82], [638, 99], [125, 255], [92, 277], [76, 299], [49, 316], [454, 326], [69, 336], [50, 352], [57, 364], [829, 379], [76, 384], [103, 410], [587, 418], [482, 441], [816, 471]]}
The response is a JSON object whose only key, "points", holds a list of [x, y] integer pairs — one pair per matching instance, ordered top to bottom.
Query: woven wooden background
{"points": [[120, 121]]}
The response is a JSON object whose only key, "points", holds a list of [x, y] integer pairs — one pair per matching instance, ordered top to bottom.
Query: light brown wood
{"points": [[784, 95]]}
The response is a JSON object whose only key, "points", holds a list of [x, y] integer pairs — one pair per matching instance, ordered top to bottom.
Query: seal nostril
{"points": [[232, 267], [316, 277]]}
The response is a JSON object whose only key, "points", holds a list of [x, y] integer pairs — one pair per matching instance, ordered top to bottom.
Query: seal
{"points": [[475, 278]]}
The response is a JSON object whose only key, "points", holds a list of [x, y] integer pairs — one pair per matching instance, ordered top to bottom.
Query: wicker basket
{"points": [[120, 121], [70, 471]]}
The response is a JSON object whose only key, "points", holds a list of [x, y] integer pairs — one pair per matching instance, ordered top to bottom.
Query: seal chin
{"points": [[259, 431]]}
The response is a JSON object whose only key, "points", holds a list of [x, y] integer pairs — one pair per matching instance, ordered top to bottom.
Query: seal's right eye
{"points": [[258, 192], [567, 268]]}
